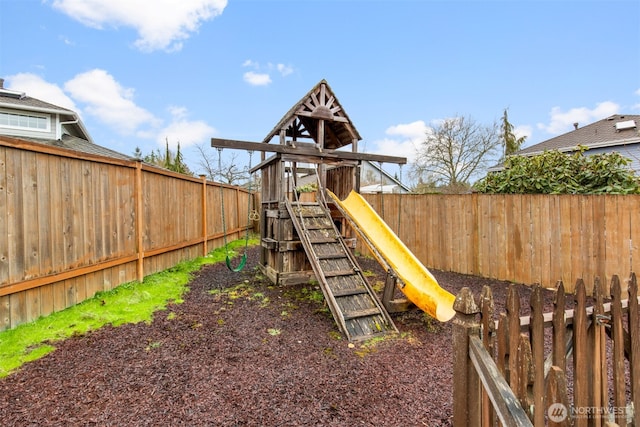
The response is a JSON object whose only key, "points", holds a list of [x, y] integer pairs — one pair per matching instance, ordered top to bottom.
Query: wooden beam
{"points": [[334, 119], [304, 151], [504, 400]]}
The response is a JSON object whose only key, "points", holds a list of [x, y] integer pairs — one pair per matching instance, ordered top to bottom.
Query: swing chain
{"points": [[224, 225], [243, 260]]}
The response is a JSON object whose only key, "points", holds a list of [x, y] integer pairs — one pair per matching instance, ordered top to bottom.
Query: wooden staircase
{"points": [[351, 299]]}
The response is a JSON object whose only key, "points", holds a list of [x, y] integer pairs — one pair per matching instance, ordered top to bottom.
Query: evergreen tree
{"points": [[510, 143], [169, 160]]}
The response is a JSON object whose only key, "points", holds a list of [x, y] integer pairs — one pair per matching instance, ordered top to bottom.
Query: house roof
{"points": [[16, 100], [21, 101], [320, 103], [609, 132], [80, 140], [78, 144], [388, 176]]}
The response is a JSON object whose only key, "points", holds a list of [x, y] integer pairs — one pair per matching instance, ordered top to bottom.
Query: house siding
{"points": [[631, 152]]}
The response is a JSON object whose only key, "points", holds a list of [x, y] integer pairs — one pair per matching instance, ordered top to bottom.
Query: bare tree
{"points": [[455, 151], [207, 161], [228, 172]]}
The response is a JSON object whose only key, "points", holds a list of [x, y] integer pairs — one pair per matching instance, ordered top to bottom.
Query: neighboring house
{"points": [[30, 119], [619, 133], [371, 176], [369, 179]]}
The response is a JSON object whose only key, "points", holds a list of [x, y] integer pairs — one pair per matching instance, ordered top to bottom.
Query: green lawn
{"points": [[128, 303]]}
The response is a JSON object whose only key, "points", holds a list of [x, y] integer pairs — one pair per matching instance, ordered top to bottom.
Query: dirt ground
{"points": [[258, 356]]}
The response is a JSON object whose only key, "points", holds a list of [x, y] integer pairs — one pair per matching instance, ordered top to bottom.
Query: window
{"points": [[24, 121]]}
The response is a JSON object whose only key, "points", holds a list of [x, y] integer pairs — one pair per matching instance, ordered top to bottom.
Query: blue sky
{"points": [[140, 72]]}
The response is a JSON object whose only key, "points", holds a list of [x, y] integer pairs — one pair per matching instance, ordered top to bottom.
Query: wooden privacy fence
{"points": [[73, 224], [523, 238], [577, 367]]}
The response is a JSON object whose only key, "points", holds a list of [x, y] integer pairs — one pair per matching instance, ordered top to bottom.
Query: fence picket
{"points": [[513, 319], [488, 326], [559, 328], [597, 336], [617, 336], [537, 343], [502, 346], [580, 349], [525, 375], [556, 393], [466, 402]]}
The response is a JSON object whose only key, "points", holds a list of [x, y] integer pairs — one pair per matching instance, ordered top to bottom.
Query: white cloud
{"points": [[161, 24], [66, 40], [250, 63], [285, 70], [263, 78], [256, 79], [36, 87], [637, 92], [109, 102], [178, 113], [562, 121], [181, 130], [414, 130], [523, 130], [404, 140]]}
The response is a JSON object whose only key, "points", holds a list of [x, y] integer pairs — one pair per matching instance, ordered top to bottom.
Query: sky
{"points": [[143, 72]]}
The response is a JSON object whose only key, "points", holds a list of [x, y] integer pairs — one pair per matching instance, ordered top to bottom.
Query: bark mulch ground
{"points": [[259, 355]]}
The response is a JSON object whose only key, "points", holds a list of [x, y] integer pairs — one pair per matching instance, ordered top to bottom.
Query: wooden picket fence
{"points": [[73, 224], [521, 238], [568, 367]]}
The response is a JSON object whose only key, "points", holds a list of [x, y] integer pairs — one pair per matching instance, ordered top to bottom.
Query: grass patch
{"points": [[378, 286], [305, 293], [128, 303], [370, 346]]}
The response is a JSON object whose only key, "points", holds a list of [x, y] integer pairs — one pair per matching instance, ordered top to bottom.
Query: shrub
{"points": [[553, 172]]}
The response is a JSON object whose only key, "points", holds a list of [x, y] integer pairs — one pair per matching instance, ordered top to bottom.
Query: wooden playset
{"points": [[311, 238]]}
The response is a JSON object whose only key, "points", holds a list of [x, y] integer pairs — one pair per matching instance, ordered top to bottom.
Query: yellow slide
{"points": [[420, 287]]}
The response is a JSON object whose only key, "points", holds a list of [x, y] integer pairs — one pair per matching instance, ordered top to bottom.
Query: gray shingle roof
{"points": [[17, 100], [26, 102], [599, 134], [78, 144]]}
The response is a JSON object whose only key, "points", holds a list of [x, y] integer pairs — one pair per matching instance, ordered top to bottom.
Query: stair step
{"points": [[318, 227], [323, 240], [332, 256], [336, 268], [339, 273], [349, 292], [361, 313]]}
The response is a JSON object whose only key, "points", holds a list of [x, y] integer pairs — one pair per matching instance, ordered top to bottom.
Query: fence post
{"points": [[204, 214], [139, 222], [466, 384]]}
